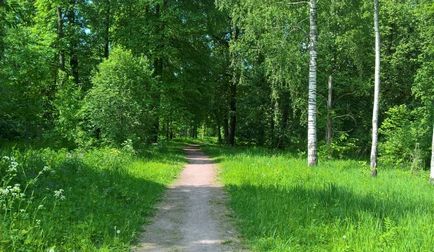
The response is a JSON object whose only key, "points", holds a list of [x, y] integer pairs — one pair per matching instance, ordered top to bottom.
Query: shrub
{"points": [[67, 103], [120, 105], [405, 132]]}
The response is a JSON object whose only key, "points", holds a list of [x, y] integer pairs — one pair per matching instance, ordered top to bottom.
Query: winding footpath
{"points": [[192, 215]]}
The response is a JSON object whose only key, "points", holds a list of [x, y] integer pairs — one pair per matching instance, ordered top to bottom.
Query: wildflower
{"points": [[46, 168], [4, 191], [58, 194]]}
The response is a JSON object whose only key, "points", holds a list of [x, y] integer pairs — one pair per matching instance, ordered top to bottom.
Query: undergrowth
{"points": [[93, 200]]}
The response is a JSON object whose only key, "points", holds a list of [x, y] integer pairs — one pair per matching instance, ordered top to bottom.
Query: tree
{"points": [[376, 92], [119, 105], [311, 134], [432, 158]]}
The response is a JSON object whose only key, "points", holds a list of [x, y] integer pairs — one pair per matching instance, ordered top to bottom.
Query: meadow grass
{"points": [[93, 200], [282, 205]]}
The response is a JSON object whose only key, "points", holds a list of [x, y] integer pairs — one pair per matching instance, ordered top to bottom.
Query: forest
{"points": [[319, 115]]}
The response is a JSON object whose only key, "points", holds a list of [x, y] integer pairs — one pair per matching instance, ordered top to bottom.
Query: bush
{"points": [[67, 103], [120, 105], [405, 132]]}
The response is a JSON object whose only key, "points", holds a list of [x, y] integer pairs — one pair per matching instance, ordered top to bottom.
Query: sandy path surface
{"points": [[192, 215]]}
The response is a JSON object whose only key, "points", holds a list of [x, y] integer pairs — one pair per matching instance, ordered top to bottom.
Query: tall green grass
{"points": [[94, 200], [282, 205]]}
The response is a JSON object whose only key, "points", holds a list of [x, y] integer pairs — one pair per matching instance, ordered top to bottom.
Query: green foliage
{"points": [[24, 84], [68, 102], [120, 104], [402, 130], [342, 146], [80, 201], [282, 205]]}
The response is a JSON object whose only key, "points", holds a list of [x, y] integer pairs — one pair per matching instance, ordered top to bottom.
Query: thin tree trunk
{"points": [[107, 31], [60, 36], [73, 61], [376, 93], [233, 96], [232, 113], [311, 128], [226, 129], [329, 133], [219, 134], [432, 158]]}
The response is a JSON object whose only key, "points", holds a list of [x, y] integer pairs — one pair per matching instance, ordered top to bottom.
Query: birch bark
{"points": [[376, 93], [311, 124]]}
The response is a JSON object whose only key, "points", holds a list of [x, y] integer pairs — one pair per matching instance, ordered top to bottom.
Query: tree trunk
{"points": [[107, 31], [60, 36], [73, 61], [159, 67], [376, 93], [233, 95], [232, 113], [311, 128], [167, 129], [226, 129], [329, 133], [219, 134], [432, 158]]}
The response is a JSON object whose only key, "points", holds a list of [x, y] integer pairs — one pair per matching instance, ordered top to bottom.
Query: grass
{"points": [[95, 200], [282, 205]]}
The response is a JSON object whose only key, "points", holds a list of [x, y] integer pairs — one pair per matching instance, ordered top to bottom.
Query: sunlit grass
{"points": [[103, 197], [282, 205]]}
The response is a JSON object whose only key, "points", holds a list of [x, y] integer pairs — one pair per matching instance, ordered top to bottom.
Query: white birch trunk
{"points": [[376, 93], [311, 125], [329, 132], [432, 158]]}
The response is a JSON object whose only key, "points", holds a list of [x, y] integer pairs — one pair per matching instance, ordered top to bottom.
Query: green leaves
{"points": [[120, 104]]}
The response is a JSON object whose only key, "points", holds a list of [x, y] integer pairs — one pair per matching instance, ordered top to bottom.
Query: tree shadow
{"points": [[102, 207], [313, 216]]}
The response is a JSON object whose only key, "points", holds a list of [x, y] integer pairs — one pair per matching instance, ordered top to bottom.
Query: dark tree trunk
{"points": [[107, 31], [60, 35], [73, 43], [158, 67], [233, 94], [232, 113], [226, 129], [167, 130], [171, 130], [219, 134], [272, 137]]}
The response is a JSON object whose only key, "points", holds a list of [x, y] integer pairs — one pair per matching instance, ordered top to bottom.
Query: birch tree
{"points": [[376, 93], [311, 128], [432, 158]]}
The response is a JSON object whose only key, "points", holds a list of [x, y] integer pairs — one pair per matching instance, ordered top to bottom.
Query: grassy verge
{"points": [[80, 200], [281, 205]]}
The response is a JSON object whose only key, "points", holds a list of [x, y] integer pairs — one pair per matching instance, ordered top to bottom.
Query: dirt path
{"points": [[192, 216]]}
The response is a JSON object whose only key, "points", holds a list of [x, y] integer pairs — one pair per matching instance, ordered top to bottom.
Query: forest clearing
{"points": [[216, 125]]}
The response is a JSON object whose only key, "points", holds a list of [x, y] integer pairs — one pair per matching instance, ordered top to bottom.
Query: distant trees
{"points": [[239, 71]]}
